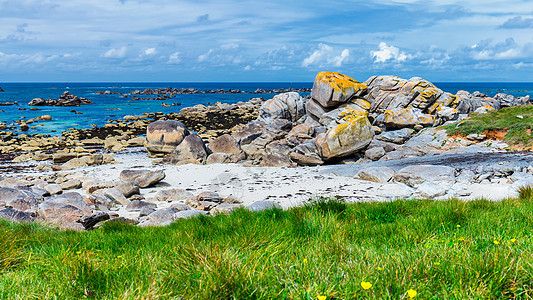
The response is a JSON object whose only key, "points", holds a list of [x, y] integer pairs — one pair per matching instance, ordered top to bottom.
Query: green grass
{"points": [[505, 119], [441, 249]]}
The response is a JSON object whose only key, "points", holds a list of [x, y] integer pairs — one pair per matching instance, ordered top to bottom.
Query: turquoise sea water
{"points": [[107, 107]]}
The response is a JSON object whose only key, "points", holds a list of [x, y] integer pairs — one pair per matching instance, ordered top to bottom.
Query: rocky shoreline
{"points": [[370, 141]]}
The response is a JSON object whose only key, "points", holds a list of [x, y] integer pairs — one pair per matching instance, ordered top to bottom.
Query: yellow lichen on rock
{"points": [[332, 88], [407, 117], [352, 134]]}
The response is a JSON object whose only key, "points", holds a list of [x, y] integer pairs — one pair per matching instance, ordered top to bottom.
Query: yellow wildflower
{"points": [[458, 226], [461, 238], [513, 240], [496, 242], [78, 252], [120, 256], [305, 260], [436, 263], [379, 268], [366, 285], [411, 293], [321, 297]]}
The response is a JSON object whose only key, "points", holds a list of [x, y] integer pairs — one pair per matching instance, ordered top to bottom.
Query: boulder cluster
{"points": [[66, 99], [342, 119], [75, 201]]}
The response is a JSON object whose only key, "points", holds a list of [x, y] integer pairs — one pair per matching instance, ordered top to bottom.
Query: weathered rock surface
{"points": [[333, 89], [290, 106], [351, 135], [164, 136], [191, 150], [376, 174], [414, 176]]}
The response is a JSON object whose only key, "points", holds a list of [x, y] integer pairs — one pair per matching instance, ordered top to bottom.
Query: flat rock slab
{"points": [[414, 176]]}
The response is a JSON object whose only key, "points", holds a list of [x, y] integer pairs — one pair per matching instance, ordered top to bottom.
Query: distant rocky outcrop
{"points": [[174, 91], [66, 99]]}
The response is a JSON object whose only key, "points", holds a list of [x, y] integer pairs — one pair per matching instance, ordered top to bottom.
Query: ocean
{"points": [[106, 107]]}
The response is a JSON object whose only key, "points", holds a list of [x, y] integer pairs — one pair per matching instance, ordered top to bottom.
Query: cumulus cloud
{"points": [[517, 23], [506, 50], [150, 51], [116, 53], [386, 53], [223, 55], [325, 55], [174, 58]]}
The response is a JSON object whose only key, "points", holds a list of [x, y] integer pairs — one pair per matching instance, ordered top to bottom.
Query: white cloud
{"points": [[150, 51], [116, 53], [386, 53], [325, 55], [205, 56], [174, 58]]}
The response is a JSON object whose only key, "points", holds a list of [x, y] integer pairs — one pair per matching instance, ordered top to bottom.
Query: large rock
{"points": [[331, 89], [393, 93], [66, 99], [288, 106], [407, 117], [353, 134], [164, 135], [396, 136], [225, 144], [191, 150], [306, 154], [275, 160], [375, 174], [415, 175], [145, 178], [20, 200], [12, 214], [64, 215]]}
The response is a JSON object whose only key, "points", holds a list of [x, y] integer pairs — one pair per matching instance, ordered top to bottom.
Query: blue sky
{"points": [[241, 40]]}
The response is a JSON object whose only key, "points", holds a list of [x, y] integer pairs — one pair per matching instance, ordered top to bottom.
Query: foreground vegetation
{"points": [[515, 123], [326, 250]]}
